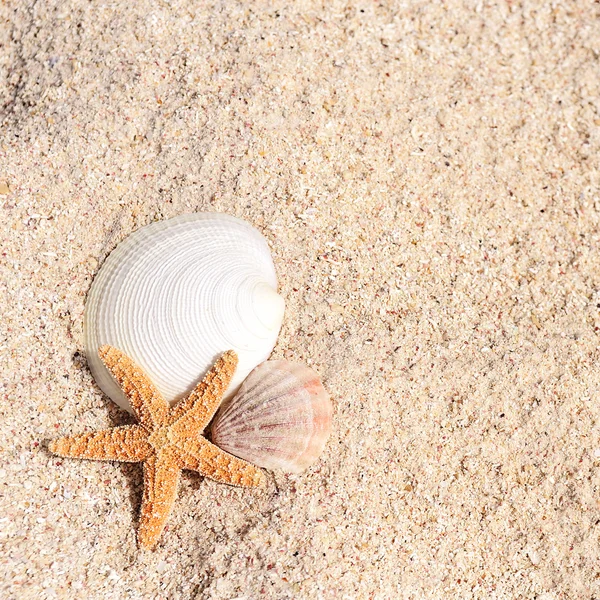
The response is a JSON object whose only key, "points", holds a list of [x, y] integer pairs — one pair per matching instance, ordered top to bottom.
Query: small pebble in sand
{"points": [[4, 188], [161, 566]]}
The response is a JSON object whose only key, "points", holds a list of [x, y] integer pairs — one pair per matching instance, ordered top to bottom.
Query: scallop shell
{"points": [[176, 294], [280, 418]]}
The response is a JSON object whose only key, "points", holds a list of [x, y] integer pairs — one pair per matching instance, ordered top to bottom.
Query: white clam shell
{"points": [[176, 294], [279, 419]]}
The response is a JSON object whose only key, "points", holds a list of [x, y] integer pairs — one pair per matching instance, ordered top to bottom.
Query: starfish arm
{"points": [[150, 407], [192, 415], [127, 444], [209, 460], [161, 479]]}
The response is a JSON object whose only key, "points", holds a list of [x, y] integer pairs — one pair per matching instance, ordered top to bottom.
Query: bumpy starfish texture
{"points": [[166, 439]]}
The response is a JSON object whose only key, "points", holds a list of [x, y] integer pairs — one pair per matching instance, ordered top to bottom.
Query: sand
{"points": [[427, 175]]}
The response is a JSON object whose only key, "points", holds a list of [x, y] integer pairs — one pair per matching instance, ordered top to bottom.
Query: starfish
{"points": [[167, 439]]}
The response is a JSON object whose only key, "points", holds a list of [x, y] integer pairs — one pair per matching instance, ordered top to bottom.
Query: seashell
{"points": [[176, 294], [279, 419]]}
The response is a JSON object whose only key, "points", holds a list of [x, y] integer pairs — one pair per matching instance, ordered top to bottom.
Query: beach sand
{"points": [[427, 175]]}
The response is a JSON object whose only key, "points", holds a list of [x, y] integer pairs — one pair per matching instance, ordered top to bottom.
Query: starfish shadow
{"points": [[133, 472]]}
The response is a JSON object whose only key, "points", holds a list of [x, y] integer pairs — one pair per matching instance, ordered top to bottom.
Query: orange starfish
{"points": [[166, 440]]}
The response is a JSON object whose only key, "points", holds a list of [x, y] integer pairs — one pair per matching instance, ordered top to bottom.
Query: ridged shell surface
{"points": [[176, 294], [280, 418]]}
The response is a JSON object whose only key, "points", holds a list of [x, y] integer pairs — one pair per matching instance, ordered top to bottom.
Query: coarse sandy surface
{"points": [[427, 175]]}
